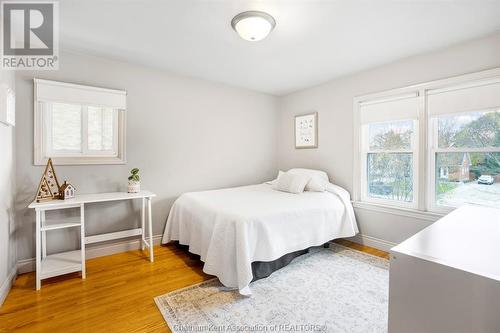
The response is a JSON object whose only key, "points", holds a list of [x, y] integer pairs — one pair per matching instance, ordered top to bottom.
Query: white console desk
{"points": [[74, 261], [446, 278]]}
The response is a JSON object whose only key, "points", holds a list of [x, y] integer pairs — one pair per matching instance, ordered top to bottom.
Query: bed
{"points": [[232, 228]]}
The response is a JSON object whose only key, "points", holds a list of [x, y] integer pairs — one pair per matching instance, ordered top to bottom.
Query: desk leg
{"points": [[143, 223], [150, 227], [44, 235], [82, 239], [38, 250]]}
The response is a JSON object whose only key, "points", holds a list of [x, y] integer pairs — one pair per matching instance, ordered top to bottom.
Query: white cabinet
{"points": [[446, 278]]}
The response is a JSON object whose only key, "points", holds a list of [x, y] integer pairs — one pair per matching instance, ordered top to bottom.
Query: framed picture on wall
{"points": [[7, 106], [306, 130]]}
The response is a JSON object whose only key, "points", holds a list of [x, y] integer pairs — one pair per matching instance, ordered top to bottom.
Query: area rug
{"points": [[328, 290]]}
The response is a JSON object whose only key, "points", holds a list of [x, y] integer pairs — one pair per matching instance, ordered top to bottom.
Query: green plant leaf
{"points": [[134, 171]]}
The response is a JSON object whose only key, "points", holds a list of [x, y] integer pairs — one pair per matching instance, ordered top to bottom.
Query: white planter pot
{"points": [[133, 186]]}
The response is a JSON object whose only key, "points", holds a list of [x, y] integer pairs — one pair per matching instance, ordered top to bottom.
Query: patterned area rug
{"points": [[328, 290]]}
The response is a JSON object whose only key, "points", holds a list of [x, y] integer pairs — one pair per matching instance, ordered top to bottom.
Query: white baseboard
{"points": [[373, 242], [28, 265], [7, 284]]}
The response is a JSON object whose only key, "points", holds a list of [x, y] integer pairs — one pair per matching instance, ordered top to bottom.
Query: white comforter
{"points": [[231, 228]]}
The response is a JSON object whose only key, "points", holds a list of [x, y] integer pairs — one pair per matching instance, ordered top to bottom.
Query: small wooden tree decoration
{"points": [[48, 189]]}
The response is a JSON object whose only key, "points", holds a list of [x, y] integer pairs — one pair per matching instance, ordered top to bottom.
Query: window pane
{"points": [[66, 127], [100, 128], [470, 130], [390, 135], [390, 176], [468, 178]]}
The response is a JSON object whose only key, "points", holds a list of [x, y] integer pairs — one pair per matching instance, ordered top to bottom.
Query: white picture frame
{"points": [[7, 105], [306, 131]]}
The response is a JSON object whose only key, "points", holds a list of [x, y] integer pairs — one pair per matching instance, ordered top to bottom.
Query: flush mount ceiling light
{"points": [[253, 25]]}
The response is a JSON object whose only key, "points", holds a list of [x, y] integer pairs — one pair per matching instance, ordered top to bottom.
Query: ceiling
{"points": [[314, 41]]}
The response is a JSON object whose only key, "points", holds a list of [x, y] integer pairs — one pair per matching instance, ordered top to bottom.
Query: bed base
{"points": [[261, 269]]}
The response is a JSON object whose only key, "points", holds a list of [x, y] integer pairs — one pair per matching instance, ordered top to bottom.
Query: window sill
{"points": [[86, 160], [406, 212]]}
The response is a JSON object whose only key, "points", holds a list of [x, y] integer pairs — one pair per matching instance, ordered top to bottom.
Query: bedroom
{"points": [[377, 125]]}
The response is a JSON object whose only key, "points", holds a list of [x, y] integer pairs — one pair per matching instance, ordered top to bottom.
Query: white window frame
{"points": [[43, 123], [434, 149], [365, 151], [425, 205]]}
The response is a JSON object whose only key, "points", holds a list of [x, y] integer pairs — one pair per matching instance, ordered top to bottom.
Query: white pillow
{"points": [[310, 172], [319, 179], [274, 181], [291, 183], [316, 184]]}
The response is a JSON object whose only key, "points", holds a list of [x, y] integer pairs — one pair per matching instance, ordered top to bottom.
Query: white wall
{"points": [[334, 103], [184, 134], [7, 197]]}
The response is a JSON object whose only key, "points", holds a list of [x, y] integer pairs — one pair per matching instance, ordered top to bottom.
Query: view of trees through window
{"points": [[390, 160], [468, 176]]}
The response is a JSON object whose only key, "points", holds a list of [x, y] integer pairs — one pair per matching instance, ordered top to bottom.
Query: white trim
{"points": [[440, 83], [466, 85], [80, 86], [63, 92], [389, 98], [434, 149], [467, 150], [41, 152], [363, 157], [425, 170], [400, 211], [374, 242], [28, 265], [7, 284]]}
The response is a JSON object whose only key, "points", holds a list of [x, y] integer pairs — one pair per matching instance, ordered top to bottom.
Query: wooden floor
{"points": [[363, 248], [117, 295]]}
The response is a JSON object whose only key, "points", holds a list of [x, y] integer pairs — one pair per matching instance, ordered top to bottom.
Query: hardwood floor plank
{"points": [[363, 248], [117, 295]]}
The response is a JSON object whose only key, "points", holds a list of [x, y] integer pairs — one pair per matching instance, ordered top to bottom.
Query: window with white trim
{"points": [[76, 124], [464, 135], [430, 147], [389, 150]]}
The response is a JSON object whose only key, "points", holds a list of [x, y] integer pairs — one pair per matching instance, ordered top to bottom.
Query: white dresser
{"points": [[446, 278]]}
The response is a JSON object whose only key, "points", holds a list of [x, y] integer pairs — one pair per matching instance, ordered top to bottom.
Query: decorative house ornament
{"points": [[306, 130], [134, 184], [48, 189], [67, 191]]}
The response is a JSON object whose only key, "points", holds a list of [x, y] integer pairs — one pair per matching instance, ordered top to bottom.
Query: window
{"points": [[77, 124], [78, 130], [465, 145], [431, 147], [389, 150], [390, 161]]}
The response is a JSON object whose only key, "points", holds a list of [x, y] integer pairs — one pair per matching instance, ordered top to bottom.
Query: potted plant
{"points": [[134, 181]]}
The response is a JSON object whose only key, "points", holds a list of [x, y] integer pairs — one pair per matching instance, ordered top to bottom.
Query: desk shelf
{"points": [[61, 224], [61, 263]]}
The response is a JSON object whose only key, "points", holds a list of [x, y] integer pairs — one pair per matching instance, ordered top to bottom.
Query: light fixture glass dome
{"points": [[253, 25]]}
